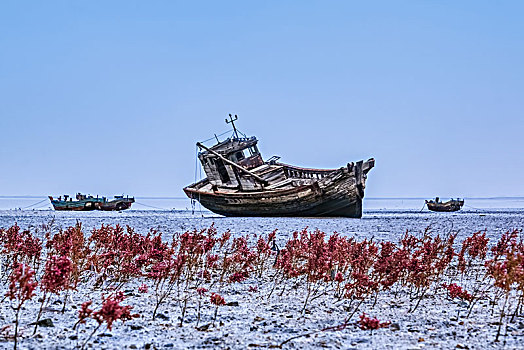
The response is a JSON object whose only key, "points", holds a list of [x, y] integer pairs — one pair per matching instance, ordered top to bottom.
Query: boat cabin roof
{"points": [[232, 145]]}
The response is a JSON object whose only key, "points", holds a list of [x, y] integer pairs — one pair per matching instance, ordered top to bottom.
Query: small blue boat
{"points": [[87, 203]]}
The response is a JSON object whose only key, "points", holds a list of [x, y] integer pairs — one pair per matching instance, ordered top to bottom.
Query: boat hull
{"points": [[338, 197], [92, 204], [74, 205], [116, 205], [449, 206], [72, 208], [328, 208], [444, 208]]}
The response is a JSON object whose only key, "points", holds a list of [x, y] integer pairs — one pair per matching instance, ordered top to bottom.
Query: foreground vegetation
{"points": [[195, 268]]}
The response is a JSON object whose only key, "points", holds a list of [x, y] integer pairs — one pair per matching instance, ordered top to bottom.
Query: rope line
{"points": [[224, 133], [212, 138], [195, 180], [32, 205], [200, 205], [43, 206], [151, 206], [469, 206]]}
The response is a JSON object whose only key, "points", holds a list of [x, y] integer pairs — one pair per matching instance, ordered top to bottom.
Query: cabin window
{"points": [[239, 155], [222, 171]]}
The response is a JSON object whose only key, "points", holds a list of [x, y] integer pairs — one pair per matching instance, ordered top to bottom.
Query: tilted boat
{"points": [[240, 183], [86, 203], [451, 205]]}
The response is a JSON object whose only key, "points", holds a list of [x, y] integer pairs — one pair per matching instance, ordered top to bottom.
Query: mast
{"points": [[232, 121]]}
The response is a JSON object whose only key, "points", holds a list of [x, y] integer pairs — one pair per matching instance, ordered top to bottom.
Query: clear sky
{"points": [[109, 97]]}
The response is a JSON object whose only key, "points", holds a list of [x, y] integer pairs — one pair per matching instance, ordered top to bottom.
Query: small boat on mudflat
{"points": [[240, 183], [87, 203], [449, 206]]}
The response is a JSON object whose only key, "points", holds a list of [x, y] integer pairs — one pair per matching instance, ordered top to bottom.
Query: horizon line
{"points": [[368, 198]]}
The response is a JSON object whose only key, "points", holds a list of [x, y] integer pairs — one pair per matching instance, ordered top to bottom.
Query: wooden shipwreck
{"points": [[240, 183], [451, 205]]}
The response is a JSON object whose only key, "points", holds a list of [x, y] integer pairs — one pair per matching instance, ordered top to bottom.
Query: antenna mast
{"points": [[232, 121]]}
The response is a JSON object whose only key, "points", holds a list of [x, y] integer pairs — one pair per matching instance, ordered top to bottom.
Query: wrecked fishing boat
{"points": [[240, 183], [87, 203], [451, 205]]}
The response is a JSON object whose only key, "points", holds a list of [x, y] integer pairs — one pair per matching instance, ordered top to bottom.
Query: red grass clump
{"points": [[19, 247], [455, 291], [109, 312], [366, 323]]}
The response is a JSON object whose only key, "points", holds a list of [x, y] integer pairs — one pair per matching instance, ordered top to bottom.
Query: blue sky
{"points": [[109, 97]]}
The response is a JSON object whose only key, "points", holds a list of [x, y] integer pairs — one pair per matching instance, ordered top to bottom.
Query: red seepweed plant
{"points": [[69, 243], [19, 247], [474, 248], [263, 253], [307, 255], [118, 256], [236, 261], [428, 261], [507, 271], [166, 275], [56, 278], [361, 281], [22, 285], [455, 291], [201, 293], [216, 300], [109, 312], [367, 323]]}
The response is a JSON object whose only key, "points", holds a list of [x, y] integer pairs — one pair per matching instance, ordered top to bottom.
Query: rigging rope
{"points": [[224, 133], [241, 133], [213, 138], [195, 180], [193, 200], [32, 205], [200, 205], [42, 206], [151, 206], [469, 206]]}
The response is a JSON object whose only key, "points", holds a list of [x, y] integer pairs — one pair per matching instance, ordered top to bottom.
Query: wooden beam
{"points": [[233, 163]]}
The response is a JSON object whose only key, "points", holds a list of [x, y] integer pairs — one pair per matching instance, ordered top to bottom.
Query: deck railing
{"points": [[305, 173]]}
